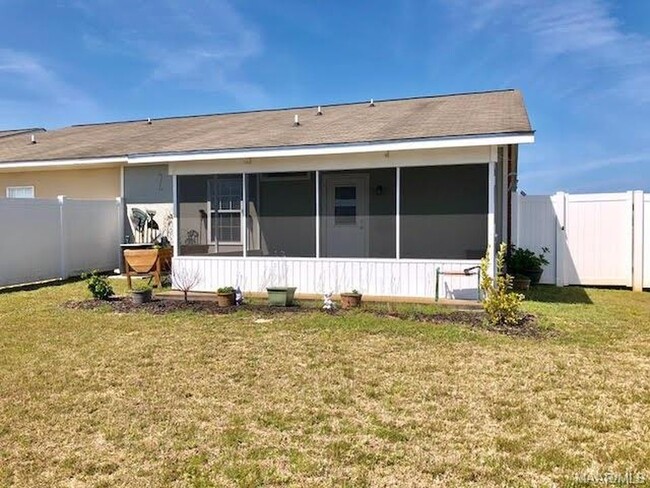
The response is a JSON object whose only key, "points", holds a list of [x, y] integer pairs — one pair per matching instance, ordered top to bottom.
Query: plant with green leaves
{"points": [[520, 260], [98, 285], [142, 286], [226, 290], [501, 304]]}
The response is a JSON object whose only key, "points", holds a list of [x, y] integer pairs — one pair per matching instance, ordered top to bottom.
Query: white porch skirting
{"points": [[377, 277]]}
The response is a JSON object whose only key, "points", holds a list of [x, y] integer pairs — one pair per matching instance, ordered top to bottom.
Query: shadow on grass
{"points": [[39, 285], [555, 294]]}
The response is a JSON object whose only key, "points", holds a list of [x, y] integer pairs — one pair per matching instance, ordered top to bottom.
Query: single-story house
{"points": [[376, 195]]}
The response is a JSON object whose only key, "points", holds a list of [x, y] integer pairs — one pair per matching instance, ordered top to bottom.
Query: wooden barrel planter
{"points": [[152, 262]]}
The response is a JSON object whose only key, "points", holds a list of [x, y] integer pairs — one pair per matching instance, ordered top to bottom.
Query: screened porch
{"points": [[433, 212]]}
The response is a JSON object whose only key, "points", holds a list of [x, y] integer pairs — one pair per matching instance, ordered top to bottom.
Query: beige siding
{"points": [[96, 183]]}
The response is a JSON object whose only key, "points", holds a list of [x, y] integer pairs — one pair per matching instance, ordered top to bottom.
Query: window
{"points": [[20, 192], [226, 200], [345, 205]]}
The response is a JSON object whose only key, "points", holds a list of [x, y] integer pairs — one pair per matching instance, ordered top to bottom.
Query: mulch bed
{"points": [[159, 306], [528, 327]]}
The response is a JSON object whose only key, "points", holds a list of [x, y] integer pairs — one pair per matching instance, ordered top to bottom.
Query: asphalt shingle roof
{"points": [[483, 113], [15, 132]]}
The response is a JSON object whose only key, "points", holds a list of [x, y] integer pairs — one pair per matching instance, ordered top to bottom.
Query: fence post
{"points": [[119, 201], [559, 204], [515, 210], [637, 240], [63, 261]]}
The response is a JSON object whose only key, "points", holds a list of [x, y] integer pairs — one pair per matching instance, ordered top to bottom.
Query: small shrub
{"points": [[520, 260], [98, 285], [142, 286], [226, 290], [500, 303]]}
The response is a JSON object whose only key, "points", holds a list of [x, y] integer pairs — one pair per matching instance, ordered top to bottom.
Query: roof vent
{"points": [[372, 102], [319, 111], [149, 120], [296, 122], [33, 138]]}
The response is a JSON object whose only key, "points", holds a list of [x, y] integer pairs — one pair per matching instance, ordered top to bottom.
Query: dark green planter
{"points": [[534, 274], [521, 283], [141, 296], [281, 296]]}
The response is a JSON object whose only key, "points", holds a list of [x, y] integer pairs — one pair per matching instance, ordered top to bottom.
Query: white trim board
{"points": [[454, 142]]}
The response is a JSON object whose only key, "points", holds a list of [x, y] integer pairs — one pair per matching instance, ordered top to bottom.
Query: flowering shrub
{"points": [[501, 304]]}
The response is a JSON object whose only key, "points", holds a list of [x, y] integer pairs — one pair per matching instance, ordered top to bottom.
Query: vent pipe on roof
{"points": [[372, 102], [319, 111], [296, 122], [33, 138]]}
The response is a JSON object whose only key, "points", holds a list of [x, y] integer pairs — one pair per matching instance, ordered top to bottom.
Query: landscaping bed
{"points": [[529, 326]]}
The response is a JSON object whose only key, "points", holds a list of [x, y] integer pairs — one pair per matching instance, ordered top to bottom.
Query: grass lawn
{"points": [[96, 398]]}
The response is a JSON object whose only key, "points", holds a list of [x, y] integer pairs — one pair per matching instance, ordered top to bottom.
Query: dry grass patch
{"points": [[97, 398]]}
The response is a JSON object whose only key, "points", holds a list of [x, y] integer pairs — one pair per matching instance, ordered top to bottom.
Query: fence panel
{"points": [[538, 209], [591, 238], [42, 239], [599, 239], [30, 240], [646, 241]]}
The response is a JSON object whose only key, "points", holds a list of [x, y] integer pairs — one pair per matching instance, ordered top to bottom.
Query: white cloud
{"points": [[582, 32], [203, 45], [34, 94], [587, 166]]}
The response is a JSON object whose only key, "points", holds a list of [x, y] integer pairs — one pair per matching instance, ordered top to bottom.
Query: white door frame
{"points": [[363, 204]]}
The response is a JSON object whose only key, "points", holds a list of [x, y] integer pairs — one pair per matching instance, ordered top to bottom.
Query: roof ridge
{"points": [[300, 107], [17, 132]]}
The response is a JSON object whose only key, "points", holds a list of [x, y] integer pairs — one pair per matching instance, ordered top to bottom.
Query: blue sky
{"points": [[583, 66]]}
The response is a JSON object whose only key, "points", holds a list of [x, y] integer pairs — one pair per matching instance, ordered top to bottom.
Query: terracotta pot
{"points": [[226, 299], [350, 300]]}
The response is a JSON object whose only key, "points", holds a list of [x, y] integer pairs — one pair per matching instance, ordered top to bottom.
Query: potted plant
{"points": [[521, 261], [520, 283], [141, 293], [226, 296], [281, 296], [351, 299]]}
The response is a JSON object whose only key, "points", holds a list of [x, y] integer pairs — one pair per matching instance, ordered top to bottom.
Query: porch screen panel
{"points": [[444, 212], [358, 213], [281, 214], [210, 215]]}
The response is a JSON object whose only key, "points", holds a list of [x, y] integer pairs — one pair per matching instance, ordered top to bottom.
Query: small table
{"points": [[147, 261]]}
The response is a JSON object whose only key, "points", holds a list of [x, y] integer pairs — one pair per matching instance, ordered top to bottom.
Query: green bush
{"points": [[520, 260], [98, 285], [142, 286], [226, 290], [500, 303]]}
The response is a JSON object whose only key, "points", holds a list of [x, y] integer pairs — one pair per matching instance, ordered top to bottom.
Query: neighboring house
{"points": [[372, 196]]}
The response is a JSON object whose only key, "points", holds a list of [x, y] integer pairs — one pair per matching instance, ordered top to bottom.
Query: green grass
{"points": [[95, 398]]}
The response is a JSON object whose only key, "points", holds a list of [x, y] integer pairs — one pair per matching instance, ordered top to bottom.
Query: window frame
{"points": [[31, 188], [217, 212]]}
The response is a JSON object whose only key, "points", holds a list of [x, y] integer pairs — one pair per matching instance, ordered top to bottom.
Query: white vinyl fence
{"points": [[44, 239], [593, 239]]}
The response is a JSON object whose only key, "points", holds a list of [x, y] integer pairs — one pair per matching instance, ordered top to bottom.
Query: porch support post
{"points": [[398, 194], [491, 204], [244, 213], [317, 214], [176, 238]]}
